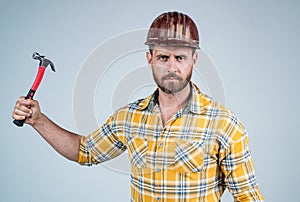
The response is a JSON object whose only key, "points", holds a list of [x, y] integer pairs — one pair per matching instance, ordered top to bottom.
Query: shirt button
{"points": [[160, 144], [157, 170], [158, 198]]}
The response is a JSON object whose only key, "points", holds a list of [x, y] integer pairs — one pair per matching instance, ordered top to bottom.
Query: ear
{"points": [[149, 58], [195, 58]]}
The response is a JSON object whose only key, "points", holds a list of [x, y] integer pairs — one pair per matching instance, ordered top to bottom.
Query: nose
{"points": [[171, 64]]}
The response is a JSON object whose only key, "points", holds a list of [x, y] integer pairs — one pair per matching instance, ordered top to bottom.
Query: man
{"points": [[183, 146]]}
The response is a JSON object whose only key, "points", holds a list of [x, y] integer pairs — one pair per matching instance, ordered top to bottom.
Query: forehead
{"points": [[176, 50]]}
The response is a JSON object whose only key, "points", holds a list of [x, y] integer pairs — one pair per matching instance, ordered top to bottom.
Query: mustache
{"points": [[171, 75]]}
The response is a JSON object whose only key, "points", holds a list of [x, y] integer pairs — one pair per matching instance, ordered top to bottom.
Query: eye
{"points": [[162, 57], [180, 58]]}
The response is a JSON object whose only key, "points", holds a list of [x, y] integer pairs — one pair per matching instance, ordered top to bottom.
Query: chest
{"points": [[183, 139]]}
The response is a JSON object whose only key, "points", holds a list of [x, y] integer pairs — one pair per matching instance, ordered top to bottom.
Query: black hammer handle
{"points": [[29, 95]]}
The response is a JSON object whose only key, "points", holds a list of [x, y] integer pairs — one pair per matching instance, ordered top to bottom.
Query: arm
{"points": [[63, 141], [238, 169]]}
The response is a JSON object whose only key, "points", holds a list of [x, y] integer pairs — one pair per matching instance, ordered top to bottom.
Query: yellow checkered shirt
{"points": [[201, 151]]}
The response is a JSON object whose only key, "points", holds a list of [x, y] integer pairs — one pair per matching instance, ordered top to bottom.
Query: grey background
{"points": [[254, 45]]}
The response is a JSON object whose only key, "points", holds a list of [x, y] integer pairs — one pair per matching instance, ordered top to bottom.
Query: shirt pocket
{"points": [[137, 150], [189, 156]]}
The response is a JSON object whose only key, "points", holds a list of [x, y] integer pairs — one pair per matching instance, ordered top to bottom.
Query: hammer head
{"points": [[44, 62]]}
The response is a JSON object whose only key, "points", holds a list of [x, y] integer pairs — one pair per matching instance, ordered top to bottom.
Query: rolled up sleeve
{"points": [[101, 145]]}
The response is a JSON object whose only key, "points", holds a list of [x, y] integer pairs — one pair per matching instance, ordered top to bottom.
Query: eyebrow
{"points": [[162, 54], [168, 55]]}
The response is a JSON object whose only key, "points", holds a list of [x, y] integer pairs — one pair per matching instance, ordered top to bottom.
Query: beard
{"points": [[172, 87]]}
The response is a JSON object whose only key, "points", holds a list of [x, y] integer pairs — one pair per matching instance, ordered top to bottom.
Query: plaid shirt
{"points": [[201, 151]]}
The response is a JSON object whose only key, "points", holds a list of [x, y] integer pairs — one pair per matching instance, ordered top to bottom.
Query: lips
{"points": [[171, 77]]}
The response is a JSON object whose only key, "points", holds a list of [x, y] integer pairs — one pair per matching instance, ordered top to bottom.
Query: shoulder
{"points": [[135, 107], [223, 120]]}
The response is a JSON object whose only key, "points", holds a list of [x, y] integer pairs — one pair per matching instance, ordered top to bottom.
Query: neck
{"points": [[169, 104]]}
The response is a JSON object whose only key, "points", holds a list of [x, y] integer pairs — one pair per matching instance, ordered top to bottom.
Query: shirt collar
{"points": [[197, 104]]}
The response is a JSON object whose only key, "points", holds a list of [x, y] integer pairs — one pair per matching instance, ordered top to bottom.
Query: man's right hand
{"points": [[27, 108]]}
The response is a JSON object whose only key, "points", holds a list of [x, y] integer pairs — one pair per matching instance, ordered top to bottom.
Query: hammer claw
{"points": [[52, 66]]}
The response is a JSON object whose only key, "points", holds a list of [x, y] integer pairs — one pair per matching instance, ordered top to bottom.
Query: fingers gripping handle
{"points": [[32, 91], [29, 95]]}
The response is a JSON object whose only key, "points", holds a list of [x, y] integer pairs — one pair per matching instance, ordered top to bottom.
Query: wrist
{"points": [[39, 120]]}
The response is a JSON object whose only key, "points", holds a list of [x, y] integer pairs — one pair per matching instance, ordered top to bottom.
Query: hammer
{"points": [[44, 62]]}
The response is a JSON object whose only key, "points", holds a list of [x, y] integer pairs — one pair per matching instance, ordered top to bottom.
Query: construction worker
{"points": [[182, 145]]}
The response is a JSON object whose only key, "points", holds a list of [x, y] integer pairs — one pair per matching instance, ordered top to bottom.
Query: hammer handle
{"points": [[32, 91], [29, 95]]}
